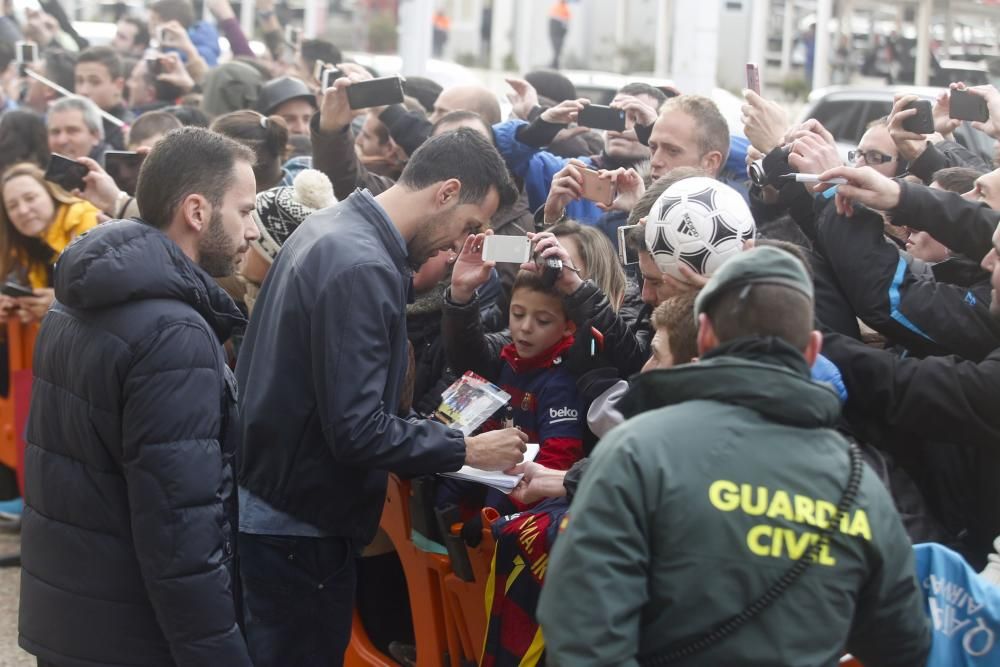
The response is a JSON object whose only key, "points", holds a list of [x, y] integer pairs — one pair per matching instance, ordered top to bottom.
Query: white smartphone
{"points": [[26, 53], [507, 249], [627, 255]]}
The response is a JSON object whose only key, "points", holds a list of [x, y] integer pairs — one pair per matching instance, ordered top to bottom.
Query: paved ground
{"points": [[10, 579]]}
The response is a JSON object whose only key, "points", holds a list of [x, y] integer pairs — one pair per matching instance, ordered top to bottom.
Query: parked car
{"points": [[847, 110]]}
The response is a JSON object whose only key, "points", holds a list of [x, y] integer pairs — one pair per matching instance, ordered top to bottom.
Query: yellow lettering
{"points": [[724, 495], [760, 506], [781, 506], [804, 510], [824, 512], [859, 526], [529, 533], [754, 539], [797, 545], [824, 557], [540, 566]]}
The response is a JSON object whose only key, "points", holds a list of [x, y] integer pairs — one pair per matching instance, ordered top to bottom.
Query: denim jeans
{"points": [[298, 599]]}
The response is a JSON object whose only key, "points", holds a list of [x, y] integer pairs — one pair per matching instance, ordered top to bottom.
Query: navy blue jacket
{"points": [[322, 368], [128, 534]]}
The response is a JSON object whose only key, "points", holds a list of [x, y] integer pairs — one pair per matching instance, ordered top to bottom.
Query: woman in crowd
{"points": [[267, 136], [37, 221], [595, 258]]}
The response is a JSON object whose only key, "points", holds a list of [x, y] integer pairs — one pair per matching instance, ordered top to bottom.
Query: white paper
{"points": [[498, 480]]}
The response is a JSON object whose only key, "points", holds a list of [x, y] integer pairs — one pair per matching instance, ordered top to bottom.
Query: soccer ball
{"points": [[700, 222]]}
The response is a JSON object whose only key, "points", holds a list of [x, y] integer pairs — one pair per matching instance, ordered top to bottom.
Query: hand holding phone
{"points": [[123, 167], [66, 173], [15, 290]]}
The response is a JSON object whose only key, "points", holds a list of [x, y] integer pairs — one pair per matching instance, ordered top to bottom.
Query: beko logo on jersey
{"points": [[563, 413]]}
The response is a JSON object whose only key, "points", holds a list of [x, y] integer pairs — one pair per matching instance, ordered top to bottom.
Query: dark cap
{"points": [[278, 91], [758, 266]]}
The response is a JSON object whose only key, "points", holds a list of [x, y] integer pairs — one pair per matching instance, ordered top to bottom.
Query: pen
{"points": [[813, 178]]}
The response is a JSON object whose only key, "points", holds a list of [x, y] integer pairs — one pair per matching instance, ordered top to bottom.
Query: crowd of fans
{"points": [[825, 398]]}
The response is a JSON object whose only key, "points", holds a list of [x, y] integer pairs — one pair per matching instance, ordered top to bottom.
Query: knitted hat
{"points": [[281, 210]]}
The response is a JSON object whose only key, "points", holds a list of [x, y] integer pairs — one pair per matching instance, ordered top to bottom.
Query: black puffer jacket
{"points": [[130, 507]]}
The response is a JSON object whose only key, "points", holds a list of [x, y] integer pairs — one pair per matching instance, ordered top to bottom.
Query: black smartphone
{"points": [[26, 52], [154, 67], [331, 74], [375, 92], [967, 106], [600, 117], [923, 121], [123, 167], [66, 173], [15, 290]]}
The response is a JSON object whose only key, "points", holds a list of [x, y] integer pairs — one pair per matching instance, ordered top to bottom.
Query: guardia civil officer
{"points": [[697, 535]]}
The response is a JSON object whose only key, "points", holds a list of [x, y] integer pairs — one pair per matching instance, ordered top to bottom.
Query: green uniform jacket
{"points": [[695, 507]]}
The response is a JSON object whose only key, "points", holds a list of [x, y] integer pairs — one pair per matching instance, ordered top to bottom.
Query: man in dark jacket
{"points": [[322, 366], [724, 479], [128, 534]]}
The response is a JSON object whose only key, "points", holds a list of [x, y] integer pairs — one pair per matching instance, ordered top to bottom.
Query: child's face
{"points": [[537, 322]]}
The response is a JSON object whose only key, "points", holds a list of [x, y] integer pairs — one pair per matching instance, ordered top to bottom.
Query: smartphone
{"points": [[293, 35], [163, 36], [26, 52], [154, 67], [318, 70], [330, 74], [753, 77], [375, 92], [967, 106], [600, 117], [923, 121], [123, 167], [66, 173], [597, 189], [506, 249], [627, 254], [15, 290]]}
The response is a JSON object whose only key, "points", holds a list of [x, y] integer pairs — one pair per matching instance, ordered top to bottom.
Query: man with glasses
{"points": [[878, 150]]}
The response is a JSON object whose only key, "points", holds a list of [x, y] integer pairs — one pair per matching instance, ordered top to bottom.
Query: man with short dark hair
{"points": [[131, 37], [100, 77], [150, 127], [322, 432], [727, 478], [128, 534]]}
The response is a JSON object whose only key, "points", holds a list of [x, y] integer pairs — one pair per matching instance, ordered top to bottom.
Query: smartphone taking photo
{"points": [[25, 52], [330, 74], [753, 77], [375, 92], [968, 106], [600, 117], [923, 121], [123, 167], [66, 173], [597, 189], [506, 249], [627, 254], [15, 290]]}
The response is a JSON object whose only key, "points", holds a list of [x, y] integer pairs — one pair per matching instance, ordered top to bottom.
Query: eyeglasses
{"points": [[871, 157]]}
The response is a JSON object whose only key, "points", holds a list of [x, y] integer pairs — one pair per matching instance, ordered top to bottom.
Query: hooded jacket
{"points": [[700, 502], [128, 534]]}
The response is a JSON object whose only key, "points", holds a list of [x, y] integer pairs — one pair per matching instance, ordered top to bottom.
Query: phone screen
{"points": [[27, 52], [375, 92], [599, 117], [123, 167], [66, 173], [628, 254]]}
